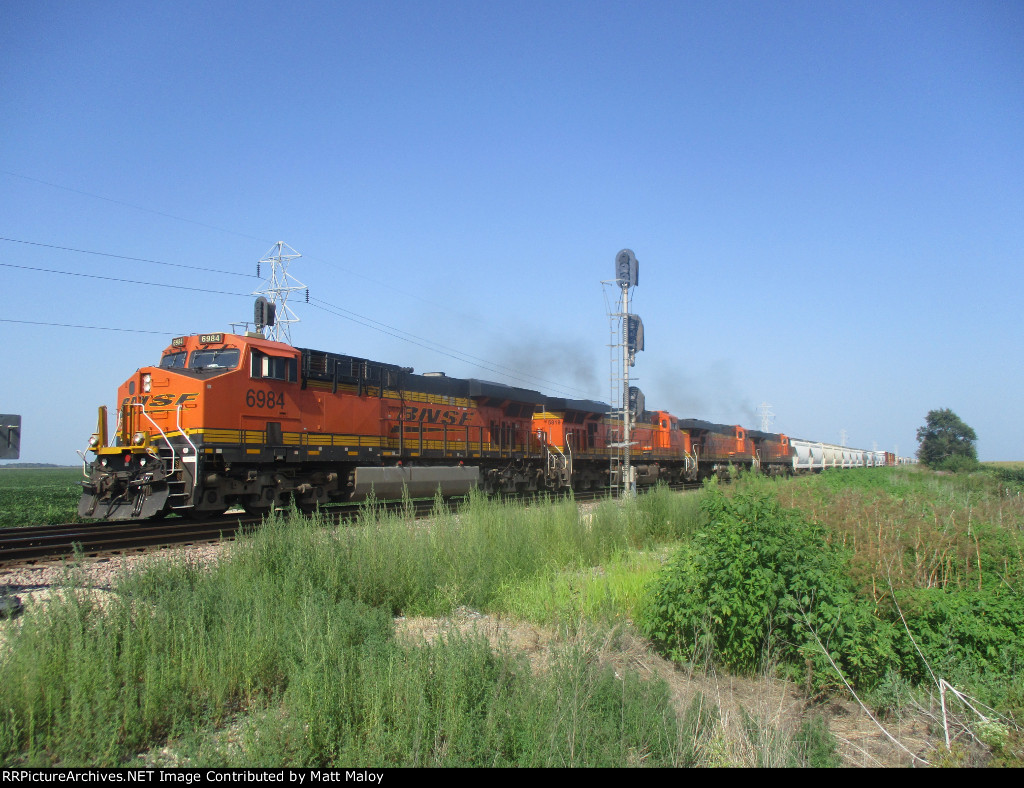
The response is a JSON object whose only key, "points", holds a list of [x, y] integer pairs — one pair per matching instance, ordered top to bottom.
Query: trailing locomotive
{"points": [[239, 420]]}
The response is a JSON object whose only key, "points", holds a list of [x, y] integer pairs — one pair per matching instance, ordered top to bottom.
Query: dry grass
{"points": [[927, 538], [777, 708]]}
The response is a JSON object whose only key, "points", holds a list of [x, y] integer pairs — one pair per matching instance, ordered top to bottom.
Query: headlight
{"points": [[147, 382], [139, 438], [94, 441]]}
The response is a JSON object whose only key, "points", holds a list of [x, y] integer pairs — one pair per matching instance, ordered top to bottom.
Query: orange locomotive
{"points": [[227, 419], [239, 420], [718, 447]]}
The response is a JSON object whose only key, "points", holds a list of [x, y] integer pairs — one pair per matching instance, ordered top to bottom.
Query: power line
{"points": [[132, 205], [125, 257], [330, 263], [126, 281], [337, 312], [94, 328], [491, 368]]}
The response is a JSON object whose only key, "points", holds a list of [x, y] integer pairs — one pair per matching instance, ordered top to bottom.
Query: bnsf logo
{"points": [[160, 400], [436, 416]]}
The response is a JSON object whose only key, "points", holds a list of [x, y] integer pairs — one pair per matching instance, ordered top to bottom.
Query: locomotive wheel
{"points": [[260, 505], [256, 511]]}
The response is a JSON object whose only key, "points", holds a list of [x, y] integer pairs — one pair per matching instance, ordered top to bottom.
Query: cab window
{"points": [[214, 358], [173, 360], [274, 367]]}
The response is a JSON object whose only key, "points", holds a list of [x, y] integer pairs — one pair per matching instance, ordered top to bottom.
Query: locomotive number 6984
{"points": [[257, 398]]}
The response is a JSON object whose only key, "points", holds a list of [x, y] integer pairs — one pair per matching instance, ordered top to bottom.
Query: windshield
{"points": [[218, 358], [173, 360]]}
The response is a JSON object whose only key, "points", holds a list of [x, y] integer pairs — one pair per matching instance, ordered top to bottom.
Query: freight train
{"points": [[227, 420]]}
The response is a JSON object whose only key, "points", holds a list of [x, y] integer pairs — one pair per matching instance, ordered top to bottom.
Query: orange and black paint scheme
{"points": [[227, 420], [721, 448]]}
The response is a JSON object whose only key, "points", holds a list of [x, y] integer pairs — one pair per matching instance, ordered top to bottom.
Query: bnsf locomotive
{"points": [[238, 420]]}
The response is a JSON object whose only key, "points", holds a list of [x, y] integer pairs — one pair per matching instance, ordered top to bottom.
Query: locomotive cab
{"points": [[169, 418]]}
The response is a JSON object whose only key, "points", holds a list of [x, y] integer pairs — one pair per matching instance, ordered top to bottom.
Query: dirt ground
{"points": [[779, 706]]}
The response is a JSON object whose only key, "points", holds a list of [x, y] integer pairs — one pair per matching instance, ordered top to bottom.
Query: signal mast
{"points": [[627, 341]]}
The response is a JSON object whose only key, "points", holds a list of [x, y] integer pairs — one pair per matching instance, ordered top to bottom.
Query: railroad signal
{"points": [[626, 268], [264, 313], [634, 337], [637, 402]]}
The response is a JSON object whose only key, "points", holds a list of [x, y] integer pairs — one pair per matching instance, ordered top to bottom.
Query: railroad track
{"points": [[36, 543], [40, 543], [31, 544]]}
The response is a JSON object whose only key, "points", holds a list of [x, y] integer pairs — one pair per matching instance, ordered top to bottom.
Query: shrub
{"points": [[959, 463], [759, 584], [969, 637]]}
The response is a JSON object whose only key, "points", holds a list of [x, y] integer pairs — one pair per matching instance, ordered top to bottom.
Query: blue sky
{"points": [[826, 198]]}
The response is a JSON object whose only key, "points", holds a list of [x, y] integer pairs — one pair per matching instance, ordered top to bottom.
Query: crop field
{"points": [[36, 496], [548, 635]]}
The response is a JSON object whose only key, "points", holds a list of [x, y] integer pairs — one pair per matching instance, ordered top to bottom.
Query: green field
{"points": [[36, 496]]}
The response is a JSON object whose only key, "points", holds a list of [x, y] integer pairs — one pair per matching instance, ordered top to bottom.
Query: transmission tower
{"points": [[280, 285], [767, 417], [842, 437]]}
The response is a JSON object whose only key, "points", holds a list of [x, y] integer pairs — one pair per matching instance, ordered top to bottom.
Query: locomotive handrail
{"points": [[142, 407], [195, 451], [85, 464]]}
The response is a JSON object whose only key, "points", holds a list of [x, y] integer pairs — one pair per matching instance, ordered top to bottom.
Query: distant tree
{"points": [[945, 441]]}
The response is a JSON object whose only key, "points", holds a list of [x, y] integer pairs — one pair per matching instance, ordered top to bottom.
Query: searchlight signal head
{"points": [[626, 268], [264, 313]]}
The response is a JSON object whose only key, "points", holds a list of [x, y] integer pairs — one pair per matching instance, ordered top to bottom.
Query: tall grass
{"points": [[466, 558], [608, 594], [293, 631], [457, 702]]}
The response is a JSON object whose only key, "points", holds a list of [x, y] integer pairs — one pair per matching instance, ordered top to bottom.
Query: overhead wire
{"points": [[132, 205], [126, 257], [349, 271], [124, 281], [325, 306], [337, 311], [93, 328]]}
